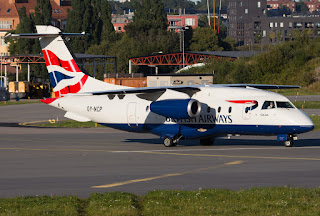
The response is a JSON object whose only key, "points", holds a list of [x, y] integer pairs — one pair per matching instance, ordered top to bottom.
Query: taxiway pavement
{"points": [[45, 161], [72, 161]]}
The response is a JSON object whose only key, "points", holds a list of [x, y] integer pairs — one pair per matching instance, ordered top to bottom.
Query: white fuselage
{"points": [[218, 115]]}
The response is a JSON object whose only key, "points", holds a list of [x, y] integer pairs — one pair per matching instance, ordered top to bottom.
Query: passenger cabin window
{"points": [[281, 104], [268, 105], [219, 109], [230, 109]]}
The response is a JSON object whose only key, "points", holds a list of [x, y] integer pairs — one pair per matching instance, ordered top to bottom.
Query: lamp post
{"points": [[182, 30]]}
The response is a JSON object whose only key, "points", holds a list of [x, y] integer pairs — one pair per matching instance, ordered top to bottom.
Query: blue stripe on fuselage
{"points": [[191, 131]]}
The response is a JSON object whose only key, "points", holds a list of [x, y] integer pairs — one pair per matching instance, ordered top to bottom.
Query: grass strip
{"points": [[313, 89], [7, 103], [307, 104], [316, 121], [70, 124], [255, 201], [114, 203], [42, 205]]}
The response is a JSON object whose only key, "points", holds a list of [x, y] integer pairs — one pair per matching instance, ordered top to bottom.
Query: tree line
{"points": [[145, 35], [293, 62]]}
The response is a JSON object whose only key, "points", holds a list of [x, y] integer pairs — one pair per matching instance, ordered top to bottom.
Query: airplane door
{"points": [[246, 114], [131, 115]]}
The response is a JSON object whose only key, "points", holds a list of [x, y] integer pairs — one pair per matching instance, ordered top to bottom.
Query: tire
{"points": [[207, 141], [168, 142], [289, 142]]}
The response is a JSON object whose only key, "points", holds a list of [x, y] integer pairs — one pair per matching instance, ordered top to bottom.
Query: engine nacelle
{"points": [[177, 108]]}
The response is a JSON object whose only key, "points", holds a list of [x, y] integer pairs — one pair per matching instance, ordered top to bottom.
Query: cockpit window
{"points": [[281, 104], [268, 105]]}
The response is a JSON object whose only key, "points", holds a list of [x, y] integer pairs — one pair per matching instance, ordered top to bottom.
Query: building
{"points": [[275, 4], [313, 5], [59, 10], [9, 17], [244, 20], [120, 21], [176, 22], [249, 24]]}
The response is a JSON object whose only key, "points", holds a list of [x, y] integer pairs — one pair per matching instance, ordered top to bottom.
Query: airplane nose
{"points": [[306, 123]]}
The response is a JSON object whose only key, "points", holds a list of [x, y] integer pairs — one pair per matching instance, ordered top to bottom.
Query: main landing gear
{"points": [[170, 142]]}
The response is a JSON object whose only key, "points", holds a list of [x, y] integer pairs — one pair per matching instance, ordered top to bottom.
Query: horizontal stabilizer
{"points": [[48, 35], [76, 117]]}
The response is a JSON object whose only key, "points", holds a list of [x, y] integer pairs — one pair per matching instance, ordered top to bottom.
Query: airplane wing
{"points": [[259, 86], [147, 93], [153, 93]]}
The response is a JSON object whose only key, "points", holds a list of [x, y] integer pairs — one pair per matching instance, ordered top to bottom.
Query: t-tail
{"points": [[65, 74]]}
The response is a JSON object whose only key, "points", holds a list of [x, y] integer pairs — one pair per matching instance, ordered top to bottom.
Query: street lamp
{"points": [[182, 30]]}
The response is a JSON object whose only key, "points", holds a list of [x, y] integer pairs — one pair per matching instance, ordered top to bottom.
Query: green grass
{"points": [[313, 89], [7, 103], [307, 104], [316, 121], [70, 124], [256, 201], [115, 203], [43, 205]]}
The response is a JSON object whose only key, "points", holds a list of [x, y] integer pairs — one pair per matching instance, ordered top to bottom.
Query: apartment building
{"points": [[275, 4], [313, 5], [9, 17], [176, 22], [249, 24]]}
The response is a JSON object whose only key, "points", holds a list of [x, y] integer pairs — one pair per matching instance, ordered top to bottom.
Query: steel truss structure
{"points": [[175, 59]]}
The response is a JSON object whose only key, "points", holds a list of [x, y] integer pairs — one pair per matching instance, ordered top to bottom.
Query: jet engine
{"points": [[177, 108]]}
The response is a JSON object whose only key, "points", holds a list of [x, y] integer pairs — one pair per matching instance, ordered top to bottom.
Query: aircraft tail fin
{"points": [[65, 75]]}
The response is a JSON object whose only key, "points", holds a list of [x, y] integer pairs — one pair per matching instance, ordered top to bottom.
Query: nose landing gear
{"points": [[289, 141]]}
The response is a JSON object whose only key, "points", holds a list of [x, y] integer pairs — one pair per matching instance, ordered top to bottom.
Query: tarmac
{"points": [[80, 161]]}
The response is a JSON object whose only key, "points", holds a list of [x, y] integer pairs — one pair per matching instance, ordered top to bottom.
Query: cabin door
{"points": [[132, 115]]}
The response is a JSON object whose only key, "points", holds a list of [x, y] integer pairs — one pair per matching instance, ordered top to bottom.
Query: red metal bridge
{"points": [[190, 58]]}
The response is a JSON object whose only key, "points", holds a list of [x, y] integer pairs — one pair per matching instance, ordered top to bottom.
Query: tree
{"points": [[301, 7], [43, 12], [148, 15], [93, 17], [26, 25], [205, 39], [27, 46]]}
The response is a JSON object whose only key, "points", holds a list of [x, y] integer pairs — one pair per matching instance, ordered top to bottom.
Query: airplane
{"points": [[202, 112]]}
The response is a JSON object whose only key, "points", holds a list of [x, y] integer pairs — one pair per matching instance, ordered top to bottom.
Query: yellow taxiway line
{"points": [[167, 153], [233, 156], [166, 175]]}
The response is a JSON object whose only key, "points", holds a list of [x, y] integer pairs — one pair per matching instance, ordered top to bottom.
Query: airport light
{"points": [[183, 29]]}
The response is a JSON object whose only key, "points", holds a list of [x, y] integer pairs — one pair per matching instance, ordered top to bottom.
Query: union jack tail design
{"points": [[66, 76]]}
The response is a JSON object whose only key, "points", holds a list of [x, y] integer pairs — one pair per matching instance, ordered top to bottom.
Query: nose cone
{"points": [[305, 122]]}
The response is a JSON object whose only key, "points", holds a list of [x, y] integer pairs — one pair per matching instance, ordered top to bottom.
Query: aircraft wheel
{"points": [[207, 141], [168, 142], [289, 142]]}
